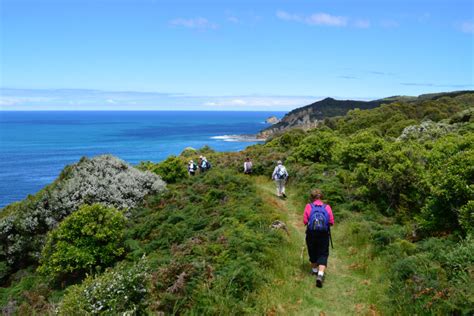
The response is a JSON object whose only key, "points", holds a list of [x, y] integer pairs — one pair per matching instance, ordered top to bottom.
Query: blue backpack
{"points": [[318, 218]]}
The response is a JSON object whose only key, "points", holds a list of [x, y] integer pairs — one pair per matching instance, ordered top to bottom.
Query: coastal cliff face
{"points": [[310, 116]]}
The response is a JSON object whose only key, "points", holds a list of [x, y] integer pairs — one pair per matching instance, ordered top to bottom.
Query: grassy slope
{"points": [[348, 288]]}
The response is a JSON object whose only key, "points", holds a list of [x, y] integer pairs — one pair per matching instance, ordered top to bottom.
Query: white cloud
{"points": [[288, 17], [323, 19], [326, 19], [194, 23], [362, 24], [467, 27], [83, 99], [14, 100], [260, 101]]}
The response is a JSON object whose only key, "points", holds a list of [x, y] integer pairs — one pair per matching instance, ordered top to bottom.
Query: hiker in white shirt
{"points": [[247, 166], [280, 175]]}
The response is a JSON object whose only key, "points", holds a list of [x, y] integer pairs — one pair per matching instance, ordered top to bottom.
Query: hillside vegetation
{"points": [[310, 116], [399, 177]]}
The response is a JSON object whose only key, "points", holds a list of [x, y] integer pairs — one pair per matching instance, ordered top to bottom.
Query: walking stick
{"points": [[330, 238]]}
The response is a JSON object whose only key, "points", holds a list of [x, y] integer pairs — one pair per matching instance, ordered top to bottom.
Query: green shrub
{"points": [[287, 140], [318, 147], [358, 148], [189, 152], [172, 169], [394, 178], [449, 206], [466, 217], [382, 236], [89, 238], [436, 279]]}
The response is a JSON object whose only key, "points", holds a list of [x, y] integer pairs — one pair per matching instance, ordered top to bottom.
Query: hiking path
{"points": [[293, 291]]}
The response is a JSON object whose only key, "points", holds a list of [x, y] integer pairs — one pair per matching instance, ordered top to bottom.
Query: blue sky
{"points": [[229, 55]]}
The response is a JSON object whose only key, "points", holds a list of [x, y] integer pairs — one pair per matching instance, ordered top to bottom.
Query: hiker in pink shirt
{"points": [[318, 219]]}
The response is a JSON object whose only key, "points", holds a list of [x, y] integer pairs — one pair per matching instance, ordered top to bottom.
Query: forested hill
{"points": [[311, 115], [106, 238]]}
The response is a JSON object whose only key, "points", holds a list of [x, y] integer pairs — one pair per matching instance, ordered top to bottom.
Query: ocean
{"points": [[36, 146]]}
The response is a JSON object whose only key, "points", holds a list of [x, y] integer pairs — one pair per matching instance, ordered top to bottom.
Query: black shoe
{"points": [[284, 195], [319, 280]]}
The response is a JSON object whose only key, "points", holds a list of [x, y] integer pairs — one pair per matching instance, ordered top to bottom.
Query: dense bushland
{"points": [[400, 176], [208, 240], [200, 247]]}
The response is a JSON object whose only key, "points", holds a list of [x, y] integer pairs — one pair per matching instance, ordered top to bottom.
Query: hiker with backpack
{"points": [[204, 165], [247, 166], [192, 167], [280, 175], [318, 219]]}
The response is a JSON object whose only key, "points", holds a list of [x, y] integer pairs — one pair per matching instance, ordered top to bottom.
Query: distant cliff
{"points": [[311, 115], [307, 117]]}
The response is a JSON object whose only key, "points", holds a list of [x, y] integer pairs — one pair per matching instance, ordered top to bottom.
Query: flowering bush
{"points": [[427, 130], [103, 179], [90, 237], [121, 290]]}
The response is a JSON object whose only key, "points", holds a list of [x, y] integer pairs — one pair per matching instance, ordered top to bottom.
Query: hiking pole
{"points": [[330, 238], [302, 254]]}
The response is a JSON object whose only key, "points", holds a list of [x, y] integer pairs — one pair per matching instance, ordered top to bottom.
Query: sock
{"points": [[315, 270], [321, 273]]}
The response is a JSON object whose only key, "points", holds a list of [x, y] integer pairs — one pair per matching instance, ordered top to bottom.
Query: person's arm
{"points": [[245, 166], [274, 172], [307, 213], [331, 216]]}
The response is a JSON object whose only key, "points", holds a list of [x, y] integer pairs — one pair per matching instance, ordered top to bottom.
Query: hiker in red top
{"points": [[318, 218]]}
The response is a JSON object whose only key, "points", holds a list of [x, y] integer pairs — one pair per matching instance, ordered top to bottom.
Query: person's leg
{"points": [[277, 182], [283, 187], [310, 245], [323, 254]]}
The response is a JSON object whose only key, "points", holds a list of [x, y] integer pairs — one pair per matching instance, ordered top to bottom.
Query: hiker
{"points": [[204, 165], [247, 166], [192, 167], [280, 175], [318, 219]]}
